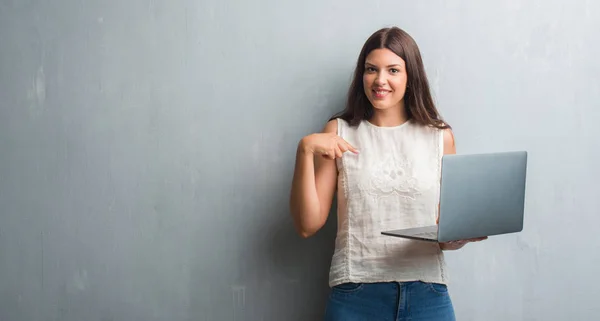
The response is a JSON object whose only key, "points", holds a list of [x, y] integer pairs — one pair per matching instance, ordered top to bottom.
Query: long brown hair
{"points": [[417, 98]]}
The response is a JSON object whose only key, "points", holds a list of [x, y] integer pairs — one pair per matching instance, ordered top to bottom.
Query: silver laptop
{"points": [[481, 195]]}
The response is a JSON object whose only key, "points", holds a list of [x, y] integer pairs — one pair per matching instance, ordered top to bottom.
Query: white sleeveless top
{"points": [[392, 183]]}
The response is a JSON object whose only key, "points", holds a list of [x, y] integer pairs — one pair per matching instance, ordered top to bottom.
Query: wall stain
{"points": [[36, 95]]}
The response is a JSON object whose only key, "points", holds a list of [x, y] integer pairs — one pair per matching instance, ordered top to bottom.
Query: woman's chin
{"points": [[381, 107]]}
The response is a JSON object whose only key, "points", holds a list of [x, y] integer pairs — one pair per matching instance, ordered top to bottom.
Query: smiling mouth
{"points": [[380, 93]]}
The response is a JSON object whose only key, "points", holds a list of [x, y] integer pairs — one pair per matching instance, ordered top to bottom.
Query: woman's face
{"points": [[385, 79]]}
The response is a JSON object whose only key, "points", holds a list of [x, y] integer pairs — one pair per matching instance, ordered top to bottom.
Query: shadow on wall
{"points": [[301, 269], [277, 275]]}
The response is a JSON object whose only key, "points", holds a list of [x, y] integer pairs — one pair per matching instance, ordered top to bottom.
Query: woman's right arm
{"points": [[315, 178]]}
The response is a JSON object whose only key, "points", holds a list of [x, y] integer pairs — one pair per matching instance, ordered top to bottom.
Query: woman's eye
{"points": [[393, 70]]}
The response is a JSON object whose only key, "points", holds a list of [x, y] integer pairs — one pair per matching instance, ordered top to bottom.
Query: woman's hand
{"points": [[328, 145], [455, 245]]}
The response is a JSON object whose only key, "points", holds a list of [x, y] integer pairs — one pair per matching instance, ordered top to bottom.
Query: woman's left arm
{"points": [[450, 148]]}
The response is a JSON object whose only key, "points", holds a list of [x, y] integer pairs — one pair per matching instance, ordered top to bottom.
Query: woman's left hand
{"points": [[455, 245]]}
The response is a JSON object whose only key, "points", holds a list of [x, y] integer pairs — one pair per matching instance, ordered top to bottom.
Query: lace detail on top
{"points": [[392, 175]]}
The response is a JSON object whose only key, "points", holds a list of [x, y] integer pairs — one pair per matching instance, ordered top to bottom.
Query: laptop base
{"points": [[426, 233]]}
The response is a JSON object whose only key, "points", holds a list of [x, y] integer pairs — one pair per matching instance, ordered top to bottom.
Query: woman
{"points": [[382, 155]]}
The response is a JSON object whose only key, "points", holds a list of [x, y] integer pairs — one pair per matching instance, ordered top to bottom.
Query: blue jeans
{"points": [[415, 301]]}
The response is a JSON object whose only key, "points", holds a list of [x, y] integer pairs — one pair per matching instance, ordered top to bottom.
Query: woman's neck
{"points": [[389, 117]]}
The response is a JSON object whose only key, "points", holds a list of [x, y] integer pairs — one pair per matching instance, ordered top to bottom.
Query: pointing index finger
{"points": [[352, 148]]}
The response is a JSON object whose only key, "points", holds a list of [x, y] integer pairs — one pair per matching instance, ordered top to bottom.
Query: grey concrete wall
{"points": [[147, 147]]}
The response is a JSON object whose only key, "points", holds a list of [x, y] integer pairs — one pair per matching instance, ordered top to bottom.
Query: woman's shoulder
{"points": [[334, 125], [331, 126], [449, 143]]}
